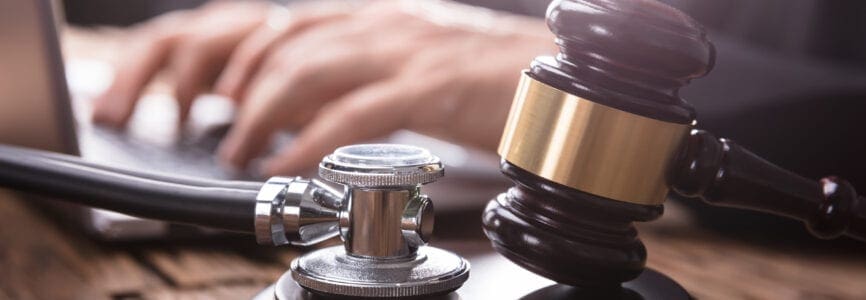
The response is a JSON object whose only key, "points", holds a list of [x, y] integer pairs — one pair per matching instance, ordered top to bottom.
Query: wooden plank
{"points": [[39, 260], [44, 261], [714, 267], [188, 268], [228, 291]]}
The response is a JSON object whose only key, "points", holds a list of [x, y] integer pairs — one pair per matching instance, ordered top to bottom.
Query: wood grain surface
{"points": [[44, 259]]}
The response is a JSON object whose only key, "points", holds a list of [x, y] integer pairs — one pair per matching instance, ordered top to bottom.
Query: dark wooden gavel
{"points": [[598, 136]]}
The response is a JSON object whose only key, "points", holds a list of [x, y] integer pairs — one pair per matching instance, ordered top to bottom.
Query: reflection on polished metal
{"points": [[589, 146], [381, 165], [296, 211], [382, 217], [417, 221], [375, 223], [331, 271]]}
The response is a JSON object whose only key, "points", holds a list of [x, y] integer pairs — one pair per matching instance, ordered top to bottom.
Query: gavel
{"points": [[598, 137]]}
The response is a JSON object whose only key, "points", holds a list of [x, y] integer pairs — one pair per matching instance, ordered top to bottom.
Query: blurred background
{"points": [[829, 30], [789, 81], [789, 84]]}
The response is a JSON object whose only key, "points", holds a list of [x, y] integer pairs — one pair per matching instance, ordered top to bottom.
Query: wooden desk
{"points": [[41, 259]]}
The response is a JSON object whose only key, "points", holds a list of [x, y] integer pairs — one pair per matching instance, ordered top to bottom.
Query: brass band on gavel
{"points": [[589, 146]]}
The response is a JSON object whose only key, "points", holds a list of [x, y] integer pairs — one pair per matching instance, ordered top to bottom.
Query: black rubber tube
{"points": [[235, 184], [218, 204]]}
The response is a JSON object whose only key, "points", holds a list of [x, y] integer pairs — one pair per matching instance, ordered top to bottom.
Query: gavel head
{"points": [[590, 136]]}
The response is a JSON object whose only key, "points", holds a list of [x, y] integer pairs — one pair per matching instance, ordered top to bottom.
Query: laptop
{"points": [[37, 110]]}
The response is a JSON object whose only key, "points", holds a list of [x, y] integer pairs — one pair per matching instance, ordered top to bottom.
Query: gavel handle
{"points": [[725, 174]]}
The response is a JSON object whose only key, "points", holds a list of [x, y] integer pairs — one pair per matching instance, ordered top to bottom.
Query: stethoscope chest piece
{"points": [[384, 222], [331, 271]]}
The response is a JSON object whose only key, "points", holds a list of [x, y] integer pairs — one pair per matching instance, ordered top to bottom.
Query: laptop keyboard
{"points": [[152, 140], [188, 156]]}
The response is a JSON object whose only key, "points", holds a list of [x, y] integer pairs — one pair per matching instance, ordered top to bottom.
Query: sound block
{"points": [[650, 285]]}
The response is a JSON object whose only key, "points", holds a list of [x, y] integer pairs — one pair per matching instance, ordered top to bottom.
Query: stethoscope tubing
{"points": [[227, 205]]}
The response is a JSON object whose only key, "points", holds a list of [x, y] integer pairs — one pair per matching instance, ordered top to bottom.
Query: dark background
{"points": [[829, 29]]}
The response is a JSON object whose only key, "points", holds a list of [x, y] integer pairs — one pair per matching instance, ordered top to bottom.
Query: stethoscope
{"points": [[380, 214]]}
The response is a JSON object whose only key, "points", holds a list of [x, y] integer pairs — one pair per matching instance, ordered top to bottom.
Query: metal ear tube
{"points": [[380, 214]]}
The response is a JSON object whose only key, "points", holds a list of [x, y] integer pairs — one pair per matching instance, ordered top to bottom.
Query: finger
{"points": [[152, 44], [192, 61], [198, 61], [245, 61], [295, 80], [280, 97], [289, 97], [114, 107], [370, 112], [255, 123]]}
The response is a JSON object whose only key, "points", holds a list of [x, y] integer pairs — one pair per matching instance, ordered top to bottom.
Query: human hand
{"points": [[183, 42], [439, 68]]}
